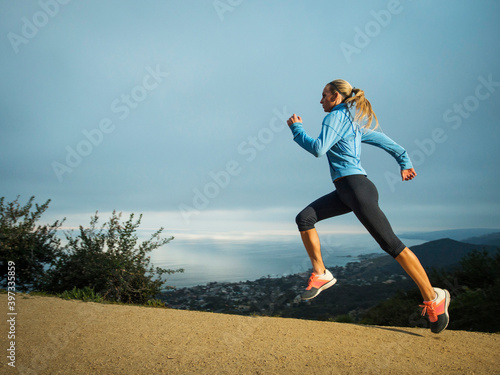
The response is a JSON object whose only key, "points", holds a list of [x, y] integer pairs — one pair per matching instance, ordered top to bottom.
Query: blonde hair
{"points": [[355, 97]]}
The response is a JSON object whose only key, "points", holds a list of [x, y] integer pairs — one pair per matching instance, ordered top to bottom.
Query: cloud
{"points": [[229, 88]]}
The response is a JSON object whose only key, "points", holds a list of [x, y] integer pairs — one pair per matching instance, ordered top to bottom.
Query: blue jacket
{"points": [[340, 139]]}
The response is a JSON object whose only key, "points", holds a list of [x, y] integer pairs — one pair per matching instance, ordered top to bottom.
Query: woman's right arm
{"points": [[319, 146]]}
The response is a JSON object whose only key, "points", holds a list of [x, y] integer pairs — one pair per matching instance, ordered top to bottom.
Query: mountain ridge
{"points": [[455, 234], [492, 239], [443, 253]]}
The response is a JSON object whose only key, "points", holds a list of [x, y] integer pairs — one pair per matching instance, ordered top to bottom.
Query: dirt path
{"points": [[55, 336]]}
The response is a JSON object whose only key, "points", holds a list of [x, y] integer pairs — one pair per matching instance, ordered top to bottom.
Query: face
{"points": [[329, 100]]}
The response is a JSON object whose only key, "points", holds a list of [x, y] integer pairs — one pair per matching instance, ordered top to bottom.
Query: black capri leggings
{"points": [[358, 194]]}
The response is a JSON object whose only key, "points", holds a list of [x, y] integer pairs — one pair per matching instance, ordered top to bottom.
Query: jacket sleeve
{"points": [[326, 139], [387, 144]]}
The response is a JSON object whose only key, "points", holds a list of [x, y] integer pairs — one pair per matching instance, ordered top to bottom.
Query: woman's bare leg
{"points": [[312, 244], [407, 259], [410, 263]]}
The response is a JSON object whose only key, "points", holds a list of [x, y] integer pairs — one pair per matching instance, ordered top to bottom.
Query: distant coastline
{"points": [[234, 261], [372, 277]]}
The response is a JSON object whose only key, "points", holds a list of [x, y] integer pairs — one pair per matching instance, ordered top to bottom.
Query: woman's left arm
{"points": [[395, 150]]}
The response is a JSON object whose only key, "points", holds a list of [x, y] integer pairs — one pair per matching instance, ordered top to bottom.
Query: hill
{"points": [[455, 234], [492, 239], [438, 254], [56, 336]]}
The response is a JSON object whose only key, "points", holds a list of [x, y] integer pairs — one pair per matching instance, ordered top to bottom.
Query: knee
{"points": [[306, 219], [394, 249]]}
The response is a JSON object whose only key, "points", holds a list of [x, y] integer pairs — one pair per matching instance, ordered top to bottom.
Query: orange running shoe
{"points": [[318, 283], [437, 310]]}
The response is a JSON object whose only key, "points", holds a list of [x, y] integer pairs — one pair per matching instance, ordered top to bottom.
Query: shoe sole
{"points": [[320, 289]]}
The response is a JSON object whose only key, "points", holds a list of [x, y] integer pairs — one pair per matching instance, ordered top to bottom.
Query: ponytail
{"points": [[355, 97]]}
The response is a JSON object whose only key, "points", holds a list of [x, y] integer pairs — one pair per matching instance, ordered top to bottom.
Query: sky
{"points": [[177, 109]]}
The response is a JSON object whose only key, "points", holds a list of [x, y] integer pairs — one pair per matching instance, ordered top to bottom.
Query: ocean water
{"points": [[211, 260]]}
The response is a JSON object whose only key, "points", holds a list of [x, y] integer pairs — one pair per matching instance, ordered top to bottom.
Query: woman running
{"points": [[340, 139]]}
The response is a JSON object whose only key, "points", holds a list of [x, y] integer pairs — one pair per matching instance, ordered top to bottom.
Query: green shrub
{"points": [[29, 246], [109, 260], [86, 294], [155, 303], [345, 318]]}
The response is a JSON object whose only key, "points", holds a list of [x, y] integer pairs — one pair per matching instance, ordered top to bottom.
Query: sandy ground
{"points": [[55, 336]]}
